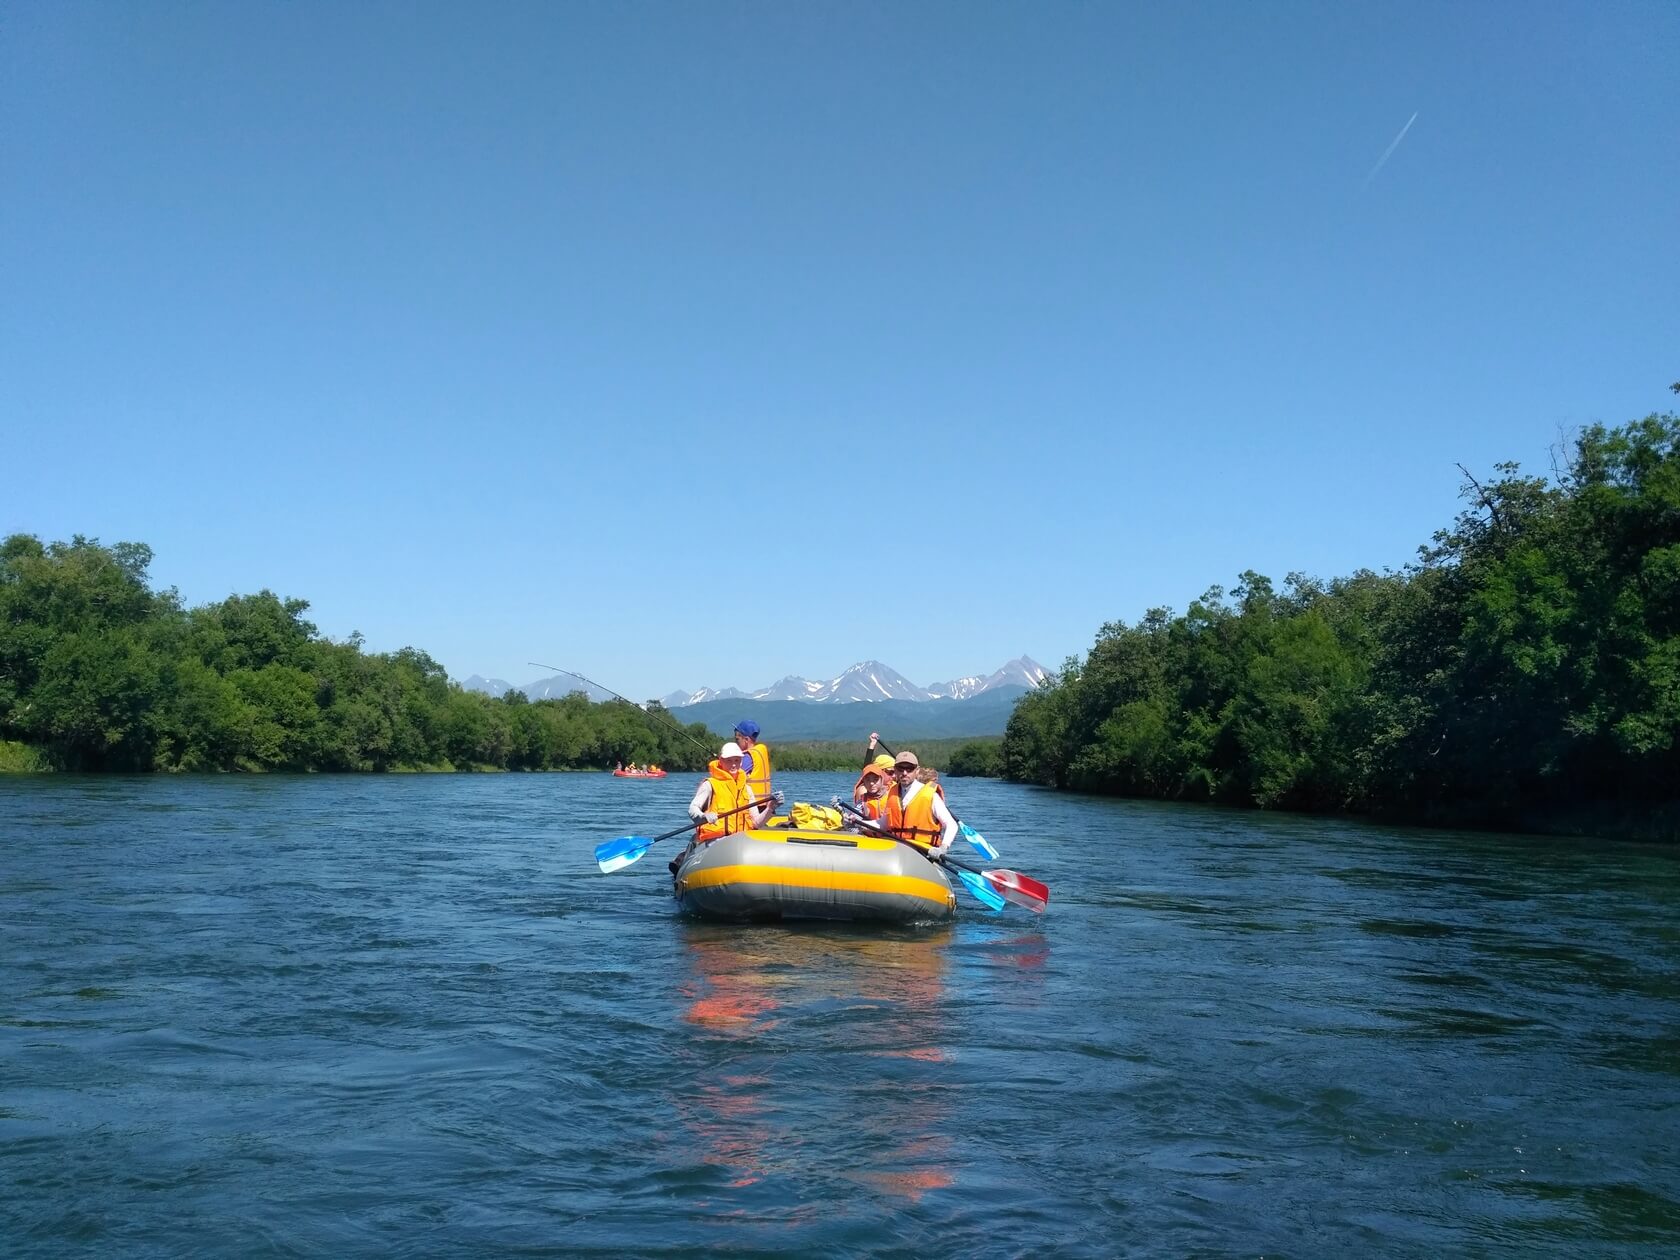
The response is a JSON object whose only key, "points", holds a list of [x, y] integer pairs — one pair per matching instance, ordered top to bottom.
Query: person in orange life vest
{"points": [[755, 758], [724, 788], [870, 794], [916, 812]]}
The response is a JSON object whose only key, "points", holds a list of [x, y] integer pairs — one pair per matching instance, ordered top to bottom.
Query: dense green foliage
{"points": [[1527, 664], [100, 672], [835, 755], [978, 758]]}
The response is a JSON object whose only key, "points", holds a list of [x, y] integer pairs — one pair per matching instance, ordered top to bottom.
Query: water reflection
{"points": [[817, 1052]]}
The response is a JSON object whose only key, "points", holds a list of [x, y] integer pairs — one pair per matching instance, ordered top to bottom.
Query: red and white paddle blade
{"points": [[1023, 890]]}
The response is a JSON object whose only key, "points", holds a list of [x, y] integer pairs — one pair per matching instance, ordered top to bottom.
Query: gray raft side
{"points": [[815, 851]]}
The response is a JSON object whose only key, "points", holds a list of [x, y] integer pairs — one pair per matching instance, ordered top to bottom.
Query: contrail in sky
{"points": [[1389, 152]]}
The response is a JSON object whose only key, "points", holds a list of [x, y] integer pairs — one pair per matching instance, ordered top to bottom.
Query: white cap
{"points": [[731, 749]]}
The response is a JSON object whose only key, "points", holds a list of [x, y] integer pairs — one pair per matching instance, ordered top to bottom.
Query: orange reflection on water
{"points": [[784, 1116]]}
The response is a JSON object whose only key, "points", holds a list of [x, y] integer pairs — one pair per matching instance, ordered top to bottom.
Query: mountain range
{"points": [[866, 681], [872, 681], [797, 708]]}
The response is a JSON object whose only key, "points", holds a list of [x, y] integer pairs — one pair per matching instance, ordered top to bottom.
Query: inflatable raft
{"points": [[637, 774], [776, 874]]}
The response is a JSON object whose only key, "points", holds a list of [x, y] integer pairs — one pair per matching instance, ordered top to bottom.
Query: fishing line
{"points": [[570, 673]]}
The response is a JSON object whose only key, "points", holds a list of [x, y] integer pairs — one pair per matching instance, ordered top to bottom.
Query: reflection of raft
{"points": [[638, 774], [811, 875]]}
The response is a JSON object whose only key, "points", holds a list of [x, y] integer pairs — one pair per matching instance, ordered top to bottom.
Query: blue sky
{"points": [[700, 344]]}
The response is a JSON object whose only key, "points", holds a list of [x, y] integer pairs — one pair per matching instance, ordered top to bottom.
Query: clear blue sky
{"points": [[634, 337]]}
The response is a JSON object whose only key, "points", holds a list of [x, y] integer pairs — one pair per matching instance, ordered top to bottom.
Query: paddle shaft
{"points": [[726, 813], [989, 876]]}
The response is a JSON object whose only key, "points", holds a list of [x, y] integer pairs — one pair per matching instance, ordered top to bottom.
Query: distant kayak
{"points": [[638, 774]]}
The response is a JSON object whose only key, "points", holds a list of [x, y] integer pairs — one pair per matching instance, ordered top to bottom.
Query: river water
{"points": [[377, 1016]]}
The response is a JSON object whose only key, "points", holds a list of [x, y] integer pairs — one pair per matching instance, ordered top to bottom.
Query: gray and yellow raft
{"points": [[791, 874]]}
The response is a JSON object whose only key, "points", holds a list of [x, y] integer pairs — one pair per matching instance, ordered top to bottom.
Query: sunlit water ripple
{"points": [[405, 1016]]}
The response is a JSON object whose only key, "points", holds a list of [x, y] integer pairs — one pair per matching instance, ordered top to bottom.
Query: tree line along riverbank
{"points": [[100, 672], [1524, 672]]}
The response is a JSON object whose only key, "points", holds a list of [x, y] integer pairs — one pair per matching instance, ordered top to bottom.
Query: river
{"points": [[405, 1016]]}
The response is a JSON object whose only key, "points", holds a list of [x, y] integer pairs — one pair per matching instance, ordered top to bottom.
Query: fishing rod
{"points": [[570, 673]]}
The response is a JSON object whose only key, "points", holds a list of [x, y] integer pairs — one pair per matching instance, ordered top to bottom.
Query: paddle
{"points": [[984, 847], [615, 855], [993, 887], [1022, 890], [982, 891]]}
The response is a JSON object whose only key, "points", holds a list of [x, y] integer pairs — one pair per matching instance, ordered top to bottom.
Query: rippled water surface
{"points": [[406, 1016]]}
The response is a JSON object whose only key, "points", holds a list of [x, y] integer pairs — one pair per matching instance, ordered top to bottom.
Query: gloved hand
{"points": [[776, 799], [708, 816]]}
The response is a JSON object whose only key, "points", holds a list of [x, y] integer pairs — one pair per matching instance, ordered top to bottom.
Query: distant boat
{"points": [[638, 774]]}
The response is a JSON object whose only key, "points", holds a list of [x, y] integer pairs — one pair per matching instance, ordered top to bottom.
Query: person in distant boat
{"points": [[755, 757], [618, 767], [724, 788], [915, 812]]}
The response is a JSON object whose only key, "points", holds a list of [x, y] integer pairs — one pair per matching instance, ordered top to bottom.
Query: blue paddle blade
{"points": [[982, 845], [615, 855], [983, 892]]}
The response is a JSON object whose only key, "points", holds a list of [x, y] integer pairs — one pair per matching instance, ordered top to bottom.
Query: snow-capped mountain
{"points": [[1023, 671], [870, 681], [489, 686], [791, 688], [725, 693]]}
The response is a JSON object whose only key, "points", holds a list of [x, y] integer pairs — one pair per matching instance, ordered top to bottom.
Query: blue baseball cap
{"points": [[748, 728]]}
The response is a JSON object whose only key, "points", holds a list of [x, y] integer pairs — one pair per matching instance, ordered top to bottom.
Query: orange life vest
{"points": [[759, 777], [728, 792], [916, 822]]}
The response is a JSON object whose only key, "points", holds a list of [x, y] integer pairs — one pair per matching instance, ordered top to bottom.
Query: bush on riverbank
{"points": [[1528, 663], [17, 758]]}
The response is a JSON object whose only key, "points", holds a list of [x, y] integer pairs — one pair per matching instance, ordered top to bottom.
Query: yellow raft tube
{"points": [[793, 874]]}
